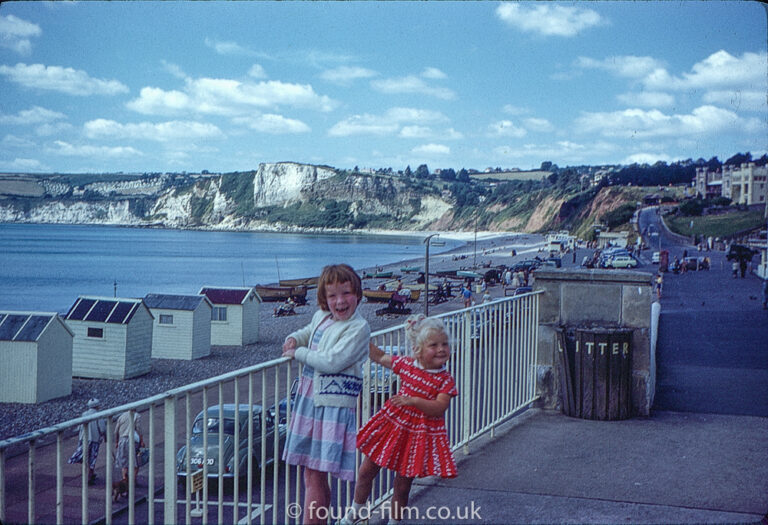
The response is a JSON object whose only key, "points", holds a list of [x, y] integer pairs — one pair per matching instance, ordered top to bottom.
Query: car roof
{"points": [[229, 410]]}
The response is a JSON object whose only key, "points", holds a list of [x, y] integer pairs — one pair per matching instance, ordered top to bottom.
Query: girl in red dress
{"points": [[408, 434]]}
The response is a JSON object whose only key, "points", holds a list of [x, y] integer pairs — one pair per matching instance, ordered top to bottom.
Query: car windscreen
{"points": [[213, 426]]}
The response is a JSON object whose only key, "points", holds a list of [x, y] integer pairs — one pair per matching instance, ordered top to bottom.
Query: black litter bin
{"points": [[596, 372]]}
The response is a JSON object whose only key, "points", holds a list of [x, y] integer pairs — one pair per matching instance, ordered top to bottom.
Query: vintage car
{"points": [[623, 261], [221, 434]]}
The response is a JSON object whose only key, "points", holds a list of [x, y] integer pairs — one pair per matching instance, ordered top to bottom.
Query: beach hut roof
{"points": [[227, 295], [174, 302], [111, 310], [25, 326]]}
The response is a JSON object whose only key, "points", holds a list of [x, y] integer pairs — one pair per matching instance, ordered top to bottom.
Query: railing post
{"points": [[466, 385], [169, 461]]}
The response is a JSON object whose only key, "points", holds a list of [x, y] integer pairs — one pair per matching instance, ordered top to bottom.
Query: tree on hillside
{"points": [[739, 159], [408, 172], [422, 172], [448, 174], [463, 175]]}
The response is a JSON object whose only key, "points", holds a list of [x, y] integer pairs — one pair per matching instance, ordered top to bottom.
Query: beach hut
{"points": [[235, 315], [182, 326], [113, 337], [35, 357]]}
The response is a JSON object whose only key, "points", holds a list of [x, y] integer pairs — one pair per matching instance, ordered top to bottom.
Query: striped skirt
{"points": [[321, 438]]}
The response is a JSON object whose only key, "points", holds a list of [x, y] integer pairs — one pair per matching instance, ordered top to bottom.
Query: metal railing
{"points": [[494, 349]]}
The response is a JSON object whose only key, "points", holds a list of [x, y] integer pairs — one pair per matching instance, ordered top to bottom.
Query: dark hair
{"points": [[338, 274]]}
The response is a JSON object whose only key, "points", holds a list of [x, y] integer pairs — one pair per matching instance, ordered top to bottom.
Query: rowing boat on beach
{"points": [[307, 281], [281, 293], [382, 296]]}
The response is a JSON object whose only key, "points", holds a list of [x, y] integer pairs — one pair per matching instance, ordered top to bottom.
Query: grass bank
{"points": [[722, 225]]}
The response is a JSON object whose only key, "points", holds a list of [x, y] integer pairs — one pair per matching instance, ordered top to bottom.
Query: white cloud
{"points": [[547, 19], [15, 34], [224, 47], [628, 66], [174, 69], [257, 71], [717, 71], [433, 73], [345, 75], [65, 80], [411, 84], [215, 96], [647, 99], [738, 99], [514, 110], [32, 116], [394, 121], [638, 123], [273, 124], [541, 125], [52, 128], [506, 128], [161, 132], [415, 132], [12, 141], [431, 149], [72, 150], [561, 151], [646, 158], [22, 165]]}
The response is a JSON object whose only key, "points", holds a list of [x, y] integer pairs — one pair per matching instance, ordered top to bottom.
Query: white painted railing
{"points": [[493, 361]]}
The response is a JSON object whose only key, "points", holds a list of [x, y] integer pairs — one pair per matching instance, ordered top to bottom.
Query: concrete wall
{"points": [[596, 298]]}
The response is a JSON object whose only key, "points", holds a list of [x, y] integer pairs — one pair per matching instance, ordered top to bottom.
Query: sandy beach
{"points": [[491, 248]]}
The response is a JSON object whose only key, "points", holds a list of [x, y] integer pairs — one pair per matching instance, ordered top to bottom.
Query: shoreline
{"points": [[166, 374]]}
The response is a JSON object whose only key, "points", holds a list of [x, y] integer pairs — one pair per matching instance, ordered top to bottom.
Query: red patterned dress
{"points": [[403, 438]]}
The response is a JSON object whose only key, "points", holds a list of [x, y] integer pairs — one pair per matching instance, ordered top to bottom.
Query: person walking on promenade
{"points": [[735, 269], [659, 284], [332, 347], [408, 435], [89, 440], [123, 440]]}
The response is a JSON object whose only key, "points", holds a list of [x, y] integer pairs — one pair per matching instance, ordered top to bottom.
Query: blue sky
{"points": [[223, 86]]}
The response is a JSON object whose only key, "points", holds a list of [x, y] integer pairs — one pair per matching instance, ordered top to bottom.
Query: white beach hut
{"points": [[235, 315], [182, 326], [113, 337], [35, 357]]}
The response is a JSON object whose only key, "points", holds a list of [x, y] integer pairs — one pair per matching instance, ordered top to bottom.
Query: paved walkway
{"points": [[701, 457]]}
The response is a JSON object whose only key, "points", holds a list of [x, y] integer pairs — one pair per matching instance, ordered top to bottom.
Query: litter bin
{"points": [[596, 373]]}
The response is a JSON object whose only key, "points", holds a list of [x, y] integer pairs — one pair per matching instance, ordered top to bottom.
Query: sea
{"points": [[46, 267]]}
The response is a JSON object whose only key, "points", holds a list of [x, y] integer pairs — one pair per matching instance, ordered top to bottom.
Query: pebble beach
{"points": [[489, 249]]}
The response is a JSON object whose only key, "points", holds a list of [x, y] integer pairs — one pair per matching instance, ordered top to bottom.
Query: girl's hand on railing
{"points": [[289, 347]]}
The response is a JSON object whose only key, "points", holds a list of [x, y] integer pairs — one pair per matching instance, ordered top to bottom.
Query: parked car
{"points": [[656, 257], [623, 261], [282, 417], [221, 434]]}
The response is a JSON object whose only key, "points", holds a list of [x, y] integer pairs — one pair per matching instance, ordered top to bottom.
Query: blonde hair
{"points": [[337, 274], [419, 328]]}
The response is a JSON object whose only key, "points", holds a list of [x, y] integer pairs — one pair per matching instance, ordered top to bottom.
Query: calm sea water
{"points": [[46, 267]]}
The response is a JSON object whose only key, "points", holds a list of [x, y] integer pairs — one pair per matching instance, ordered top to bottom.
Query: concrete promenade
{"points": [[701, 457]]}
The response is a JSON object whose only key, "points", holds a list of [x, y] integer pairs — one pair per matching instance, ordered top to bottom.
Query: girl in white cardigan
{"points": [[322, 433]]}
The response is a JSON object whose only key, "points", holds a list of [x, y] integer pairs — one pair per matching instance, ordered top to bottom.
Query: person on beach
{"points": [[466, 293], [332, 347], [408, 435], [89, 440], [123, 440]]}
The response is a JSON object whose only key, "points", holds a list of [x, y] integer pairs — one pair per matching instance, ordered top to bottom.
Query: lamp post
{"points": [[426, 274]]}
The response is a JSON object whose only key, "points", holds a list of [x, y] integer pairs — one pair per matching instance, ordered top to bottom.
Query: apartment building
{"points": [[743, 184]]}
